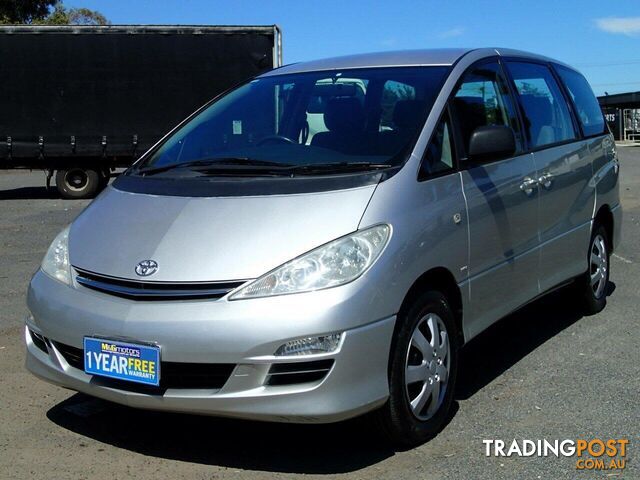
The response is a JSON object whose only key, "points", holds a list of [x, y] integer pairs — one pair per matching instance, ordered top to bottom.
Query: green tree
{"points": [[24, 11], [47, 12], [73, 16]]}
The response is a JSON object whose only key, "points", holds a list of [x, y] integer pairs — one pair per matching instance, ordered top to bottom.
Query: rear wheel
{"points": [[77, 182], [592, 285], [422, 371]]}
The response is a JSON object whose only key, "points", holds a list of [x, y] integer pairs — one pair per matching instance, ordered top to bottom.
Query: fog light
{"points": [[310, 345]]}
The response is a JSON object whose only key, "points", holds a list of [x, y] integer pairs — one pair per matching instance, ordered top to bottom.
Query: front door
{"points": [[502, 204]]}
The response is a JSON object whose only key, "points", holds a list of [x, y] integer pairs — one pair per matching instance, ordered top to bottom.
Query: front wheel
{"points": [[422, 371]]}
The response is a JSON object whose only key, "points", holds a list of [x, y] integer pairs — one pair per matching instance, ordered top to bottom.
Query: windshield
{"points": [[352, 118]]}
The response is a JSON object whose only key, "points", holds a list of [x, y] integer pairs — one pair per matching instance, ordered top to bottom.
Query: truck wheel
{"points": [[78, 182], [423, 365]]}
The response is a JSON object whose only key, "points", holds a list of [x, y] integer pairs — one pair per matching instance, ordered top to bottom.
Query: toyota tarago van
{"points": [[321, 241]]}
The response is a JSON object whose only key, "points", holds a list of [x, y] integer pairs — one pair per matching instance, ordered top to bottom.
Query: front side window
{"points": [[483, 99], [586, 105], [546, 114], [342, 117]]}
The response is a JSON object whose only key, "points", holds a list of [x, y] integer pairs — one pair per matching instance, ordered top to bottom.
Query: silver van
{"points": [[321, 241]]}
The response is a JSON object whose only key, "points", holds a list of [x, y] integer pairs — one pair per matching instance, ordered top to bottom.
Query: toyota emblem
{"points": [[146, 268]]}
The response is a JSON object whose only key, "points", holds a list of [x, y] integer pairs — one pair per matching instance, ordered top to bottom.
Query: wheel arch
{"points": [[604, 217], [442, 280]]}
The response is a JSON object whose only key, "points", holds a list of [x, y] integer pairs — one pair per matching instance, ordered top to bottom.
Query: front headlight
{"points": [[56, 262], [335, 263]]}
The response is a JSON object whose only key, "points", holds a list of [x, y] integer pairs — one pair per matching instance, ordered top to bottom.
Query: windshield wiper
{"points": [[224, 163], [248, 166], [334, 167]]}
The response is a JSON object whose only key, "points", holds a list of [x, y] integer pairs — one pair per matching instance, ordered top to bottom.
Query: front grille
{"points": [[137, 290], [74, 356], [298, 372], [180, 375]]}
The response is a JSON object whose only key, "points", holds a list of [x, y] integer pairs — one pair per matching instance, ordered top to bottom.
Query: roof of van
{"points": [[404, 58]]}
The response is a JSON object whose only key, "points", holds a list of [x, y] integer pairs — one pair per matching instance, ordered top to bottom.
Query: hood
{"points": [[200, 239]]}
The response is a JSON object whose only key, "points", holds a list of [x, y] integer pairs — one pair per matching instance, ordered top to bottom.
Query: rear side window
{"points": [[587, 107], [546, 114]]}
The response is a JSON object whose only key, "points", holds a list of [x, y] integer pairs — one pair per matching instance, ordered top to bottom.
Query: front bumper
{"points": [[243, 333]]}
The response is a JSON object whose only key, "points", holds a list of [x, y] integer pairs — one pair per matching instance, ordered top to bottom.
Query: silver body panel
{"points": [[444, 56], [606, 171], [565, 211], [424, 229], [265, 234], [504, 240], [501, 246]]}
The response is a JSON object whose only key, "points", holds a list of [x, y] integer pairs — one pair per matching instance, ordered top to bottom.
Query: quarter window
{"points": [[483, 99], [587, 107], [546, 114], [439, 155]]}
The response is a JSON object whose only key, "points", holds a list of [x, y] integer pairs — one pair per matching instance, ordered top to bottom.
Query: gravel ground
{"points": [[544, 372]]}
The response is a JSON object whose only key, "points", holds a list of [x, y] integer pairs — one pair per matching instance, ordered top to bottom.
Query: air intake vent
{"points": [[137, 290], [39, 341], [74, 356], [298, 372]]}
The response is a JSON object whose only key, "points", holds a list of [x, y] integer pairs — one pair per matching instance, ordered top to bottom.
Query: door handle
{"points": [[546, 180], [528, 184]]}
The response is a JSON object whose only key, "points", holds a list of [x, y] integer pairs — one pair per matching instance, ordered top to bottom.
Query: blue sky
{"points": [[601, 38]]}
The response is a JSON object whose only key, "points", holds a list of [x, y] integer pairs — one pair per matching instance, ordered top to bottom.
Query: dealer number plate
{"points": [[122, 360]]}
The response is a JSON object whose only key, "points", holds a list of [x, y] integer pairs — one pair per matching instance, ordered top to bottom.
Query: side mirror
{"points": [[492, 142]]}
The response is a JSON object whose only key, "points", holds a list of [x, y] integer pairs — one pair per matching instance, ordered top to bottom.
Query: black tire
{"points": [[105, 176], [78, 182], [592, 299], [396, 418]]}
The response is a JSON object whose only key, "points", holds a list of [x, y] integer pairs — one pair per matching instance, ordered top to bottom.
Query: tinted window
{"points": [[326, 91], [392, 93], [483, 99], [587, 107], [546, 114], [342, 116], [439, 155]]}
